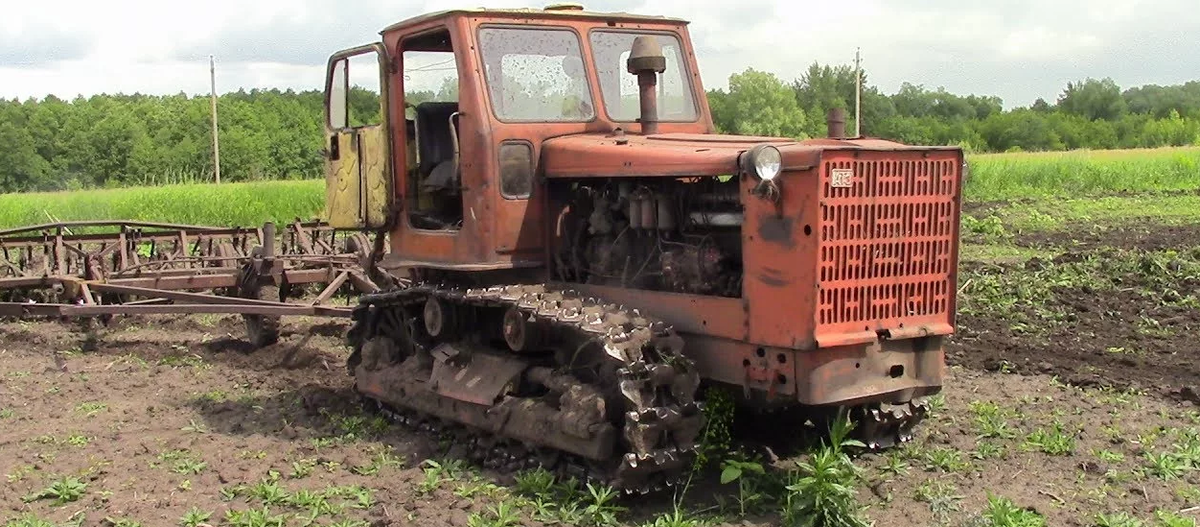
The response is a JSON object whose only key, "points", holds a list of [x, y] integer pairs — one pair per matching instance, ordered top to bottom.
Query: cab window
{"points": [[535, 74]]}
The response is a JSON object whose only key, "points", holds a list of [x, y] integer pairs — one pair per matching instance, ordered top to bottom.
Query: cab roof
{"points": [[549, 13]]}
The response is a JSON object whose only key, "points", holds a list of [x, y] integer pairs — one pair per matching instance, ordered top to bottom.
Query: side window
{"points": [[430, 72], [429, 76], [354, 92], [337, 96], [362, 100], [516, 170]]}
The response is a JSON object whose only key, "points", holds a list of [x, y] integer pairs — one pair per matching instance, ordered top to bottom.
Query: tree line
{"points": [[1093, 114], [121, 140]]}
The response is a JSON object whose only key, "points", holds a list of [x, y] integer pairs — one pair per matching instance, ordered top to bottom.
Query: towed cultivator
{"points": [[121, 267]]}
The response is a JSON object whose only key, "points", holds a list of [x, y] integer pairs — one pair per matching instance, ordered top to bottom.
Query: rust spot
{"points": [[775, 229], [773, 278]]}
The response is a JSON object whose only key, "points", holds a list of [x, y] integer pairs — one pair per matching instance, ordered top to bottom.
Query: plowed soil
{"points": [[1082, 237], [1110, 338], [159, 416]]}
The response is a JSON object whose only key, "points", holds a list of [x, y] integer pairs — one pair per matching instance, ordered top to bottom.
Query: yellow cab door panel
{"points": [[374, 167], [342, 189], [359, 189]]}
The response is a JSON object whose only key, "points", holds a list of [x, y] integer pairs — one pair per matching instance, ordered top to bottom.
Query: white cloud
{"points": [[1020, 50]]}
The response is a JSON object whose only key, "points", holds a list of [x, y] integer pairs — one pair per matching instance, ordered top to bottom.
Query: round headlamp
{"points": [[764, 161]]}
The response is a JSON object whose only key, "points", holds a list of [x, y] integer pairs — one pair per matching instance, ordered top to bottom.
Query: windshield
{"points": [[535, 74], [619, 88]]}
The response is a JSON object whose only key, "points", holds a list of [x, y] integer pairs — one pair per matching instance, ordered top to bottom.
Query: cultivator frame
{"points": [[105, 268]]}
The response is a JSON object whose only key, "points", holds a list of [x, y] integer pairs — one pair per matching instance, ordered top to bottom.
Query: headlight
{"points": [[764, 160]]}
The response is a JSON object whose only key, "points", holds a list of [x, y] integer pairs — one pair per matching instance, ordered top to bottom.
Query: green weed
{"points": [[183, 361], [90, 409], [195, 428], [716, 439], [1054, 441], [989, 450], [945, 459], [894, 464], [189, 466], [1166, 466], [302, 468], [437, 472], [19, 474], [748, 475], [537, 483], [821, 489], [61, 491], [268, 491], [942, 498], [601, 509], [1001, 511], [500, 515], [254, 518], [675, 518], [1119, 519], [1170, 519], [28, 520]]}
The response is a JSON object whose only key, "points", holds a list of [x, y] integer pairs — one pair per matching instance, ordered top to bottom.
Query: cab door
{"points": [[359, 185]]}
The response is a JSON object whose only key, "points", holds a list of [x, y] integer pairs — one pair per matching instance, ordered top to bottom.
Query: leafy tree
{"points": [[1093, 99], [758, 103], [1020, 130]]}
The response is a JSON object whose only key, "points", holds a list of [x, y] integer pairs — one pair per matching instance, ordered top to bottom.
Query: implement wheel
{"points": [[261, 330]]}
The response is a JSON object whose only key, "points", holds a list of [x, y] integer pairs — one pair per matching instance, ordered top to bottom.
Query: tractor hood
{"points": [[617, 155]]}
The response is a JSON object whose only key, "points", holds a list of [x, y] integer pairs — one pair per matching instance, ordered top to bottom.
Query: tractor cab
{"points": [[434, 134]]}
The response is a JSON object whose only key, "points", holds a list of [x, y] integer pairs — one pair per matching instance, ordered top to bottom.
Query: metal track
{"points": [[882, 427], [656, 433]]}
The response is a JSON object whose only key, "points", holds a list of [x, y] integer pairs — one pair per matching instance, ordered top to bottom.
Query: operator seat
{"points": [[437, 173]]}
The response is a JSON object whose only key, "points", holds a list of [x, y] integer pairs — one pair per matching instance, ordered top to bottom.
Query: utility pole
{"points": [[212, 76], [857, 92]]}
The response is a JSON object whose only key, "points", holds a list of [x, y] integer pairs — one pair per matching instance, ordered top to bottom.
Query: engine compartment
{"points": [[680, 235]]}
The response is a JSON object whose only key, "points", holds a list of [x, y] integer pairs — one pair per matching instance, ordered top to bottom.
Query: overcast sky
{"points": [[1017, 49]]}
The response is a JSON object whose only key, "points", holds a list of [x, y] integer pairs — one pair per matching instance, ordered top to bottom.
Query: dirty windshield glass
{"points": [[535, 75], [619, 87]]}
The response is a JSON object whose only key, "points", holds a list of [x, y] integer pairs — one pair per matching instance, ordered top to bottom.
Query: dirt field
{"points": [[1072, 398]]}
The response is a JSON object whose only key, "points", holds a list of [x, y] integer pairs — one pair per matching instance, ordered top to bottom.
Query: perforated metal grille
{"points": [[886, 242]]}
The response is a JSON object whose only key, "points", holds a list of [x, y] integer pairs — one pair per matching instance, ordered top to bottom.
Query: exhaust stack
{"points": [[646, 60], [835, 121]]}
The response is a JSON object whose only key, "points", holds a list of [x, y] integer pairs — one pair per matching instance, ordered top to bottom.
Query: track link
{"points": [[641, 360]]}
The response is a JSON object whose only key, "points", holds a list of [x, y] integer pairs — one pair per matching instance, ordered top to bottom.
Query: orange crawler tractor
{"points": [[567, 251]]}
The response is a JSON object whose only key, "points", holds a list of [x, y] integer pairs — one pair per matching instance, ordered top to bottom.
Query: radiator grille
{"points": [[887, 244]]}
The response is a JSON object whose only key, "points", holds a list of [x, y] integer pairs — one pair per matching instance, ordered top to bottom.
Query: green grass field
{"points": [[1080, 173], [233, 204]]}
